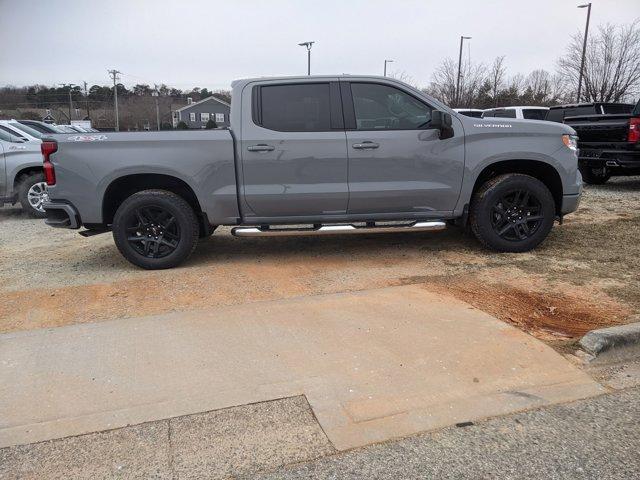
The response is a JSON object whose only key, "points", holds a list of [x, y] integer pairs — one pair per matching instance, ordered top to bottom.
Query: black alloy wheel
{"points": [[516, 215], [153, 231]]}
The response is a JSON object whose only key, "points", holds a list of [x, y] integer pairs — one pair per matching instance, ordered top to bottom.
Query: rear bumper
{"points": [[618, 159], [62, 215]]}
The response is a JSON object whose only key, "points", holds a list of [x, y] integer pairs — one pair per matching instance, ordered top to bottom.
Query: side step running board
{"points": [[336, 229]]}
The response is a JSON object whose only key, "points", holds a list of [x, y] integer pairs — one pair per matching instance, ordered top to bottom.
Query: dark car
{"points": [[608, 138]]}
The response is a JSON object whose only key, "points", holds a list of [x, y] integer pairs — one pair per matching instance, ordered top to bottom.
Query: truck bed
{"points": [[87, 165]]}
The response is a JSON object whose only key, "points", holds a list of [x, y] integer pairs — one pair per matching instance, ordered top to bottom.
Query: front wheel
{"points": [[512, 213], [155, 229]]}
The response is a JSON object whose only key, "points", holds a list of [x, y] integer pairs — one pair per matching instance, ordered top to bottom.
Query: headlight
{"points": [[571, 141]]}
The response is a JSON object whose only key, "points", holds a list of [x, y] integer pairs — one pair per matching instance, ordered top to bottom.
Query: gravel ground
{"points": [[584, 276], [592, 439]]}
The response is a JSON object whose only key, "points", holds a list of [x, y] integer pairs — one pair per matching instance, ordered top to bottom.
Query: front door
{"points": [[293, 150], [397, 163]]}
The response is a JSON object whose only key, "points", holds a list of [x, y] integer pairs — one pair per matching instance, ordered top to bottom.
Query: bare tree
{"points": [[612, 64], [496, 77], [443, 82]]}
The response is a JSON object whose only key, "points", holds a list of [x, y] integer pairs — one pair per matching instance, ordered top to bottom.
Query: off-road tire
{"points": [[588, 176], [24, 184], [487, 199], [185, 221]]}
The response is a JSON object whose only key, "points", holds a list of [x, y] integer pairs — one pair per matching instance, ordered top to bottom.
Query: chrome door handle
{"points": [[365, 145], [261, 148]]}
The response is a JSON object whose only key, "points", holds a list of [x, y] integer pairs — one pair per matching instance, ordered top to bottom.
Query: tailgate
{"points": [[600, 128]]}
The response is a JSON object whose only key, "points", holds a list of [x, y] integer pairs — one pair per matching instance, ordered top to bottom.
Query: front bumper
{"points": [[62, 215]]}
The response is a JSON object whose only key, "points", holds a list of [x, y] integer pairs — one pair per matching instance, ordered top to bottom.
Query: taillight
{"points": [[634, 130], [47, 148]]}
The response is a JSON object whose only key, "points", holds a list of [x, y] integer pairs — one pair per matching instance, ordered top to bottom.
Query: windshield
{"points": [[636, 110], [66, 129], [31, 131]]}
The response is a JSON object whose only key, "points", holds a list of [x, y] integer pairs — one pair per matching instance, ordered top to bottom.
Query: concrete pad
{"points": [[373, 365], [245, 440], [226, 443]]}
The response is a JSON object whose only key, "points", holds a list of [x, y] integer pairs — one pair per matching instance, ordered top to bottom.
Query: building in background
{"points": [[197, 114]]}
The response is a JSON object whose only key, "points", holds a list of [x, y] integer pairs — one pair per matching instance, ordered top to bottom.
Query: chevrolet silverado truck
{"points": [[608, 138], [316, 155], [21, 177]]}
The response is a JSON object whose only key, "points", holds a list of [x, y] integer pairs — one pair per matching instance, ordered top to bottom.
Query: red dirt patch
{"points": [[548, 316]]}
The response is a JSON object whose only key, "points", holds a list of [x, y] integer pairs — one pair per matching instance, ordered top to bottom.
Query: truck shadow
{"points": [[618, 184], [9, 213]]}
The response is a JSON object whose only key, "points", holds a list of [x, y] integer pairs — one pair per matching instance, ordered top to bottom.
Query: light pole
{"points": [[462, 39], [308, 45], [584, 48], [385, 66]]}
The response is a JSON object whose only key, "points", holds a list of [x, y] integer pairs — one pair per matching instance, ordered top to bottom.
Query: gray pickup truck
{"points": [[343, 154], [21, 178]]}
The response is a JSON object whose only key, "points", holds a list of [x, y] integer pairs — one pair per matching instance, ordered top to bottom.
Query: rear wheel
{"points": [[595, 176], [32, 193], [512, 213], [155, 229]]}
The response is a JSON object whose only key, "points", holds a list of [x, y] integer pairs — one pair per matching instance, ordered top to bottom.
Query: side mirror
{"points": [[442, 121]]}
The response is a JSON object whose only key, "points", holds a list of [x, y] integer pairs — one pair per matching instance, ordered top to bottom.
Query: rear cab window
{"points": [[506, 113], [534, 113]]}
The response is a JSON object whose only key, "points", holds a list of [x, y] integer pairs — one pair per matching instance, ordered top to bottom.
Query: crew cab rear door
{"points": [[293, 150], [397, 162]]}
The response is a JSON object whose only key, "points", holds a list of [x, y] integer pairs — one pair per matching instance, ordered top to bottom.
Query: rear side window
{"points": [[296, 107], [508, 113], [534, 113]]}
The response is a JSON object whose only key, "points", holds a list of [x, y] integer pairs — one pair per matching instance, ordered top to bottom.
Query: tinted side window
{"points": [[380, 107], [296, 108], [505, 113], [534, 113], [488, 114], [555, 115]]}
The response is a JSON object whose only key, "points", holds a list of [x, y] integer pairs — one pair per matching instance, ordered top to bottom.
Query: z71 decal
{"points": [[88, 138]]}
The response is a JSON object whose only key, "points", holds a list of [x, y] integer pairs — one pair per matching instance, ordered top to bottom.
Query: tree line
{"points": [[611, 74]]}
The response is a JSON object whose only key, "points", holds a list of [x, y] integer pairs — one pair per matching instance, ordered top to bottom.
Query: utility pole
{"points": [[308, 45], [584, 48], [385, 66], [114, 74], [156, 94], [457, 96], [70, 99], [86, 100]]}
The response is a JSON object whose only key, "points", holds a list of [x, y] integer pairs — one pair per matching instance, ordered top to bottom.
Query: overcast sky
{"points": [[210, 43]]}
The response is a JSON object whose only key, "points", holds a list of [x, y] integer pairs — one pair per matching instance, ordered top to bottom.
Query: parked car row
{"points": [[525, 112], [608, 134], [21, 171]]}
